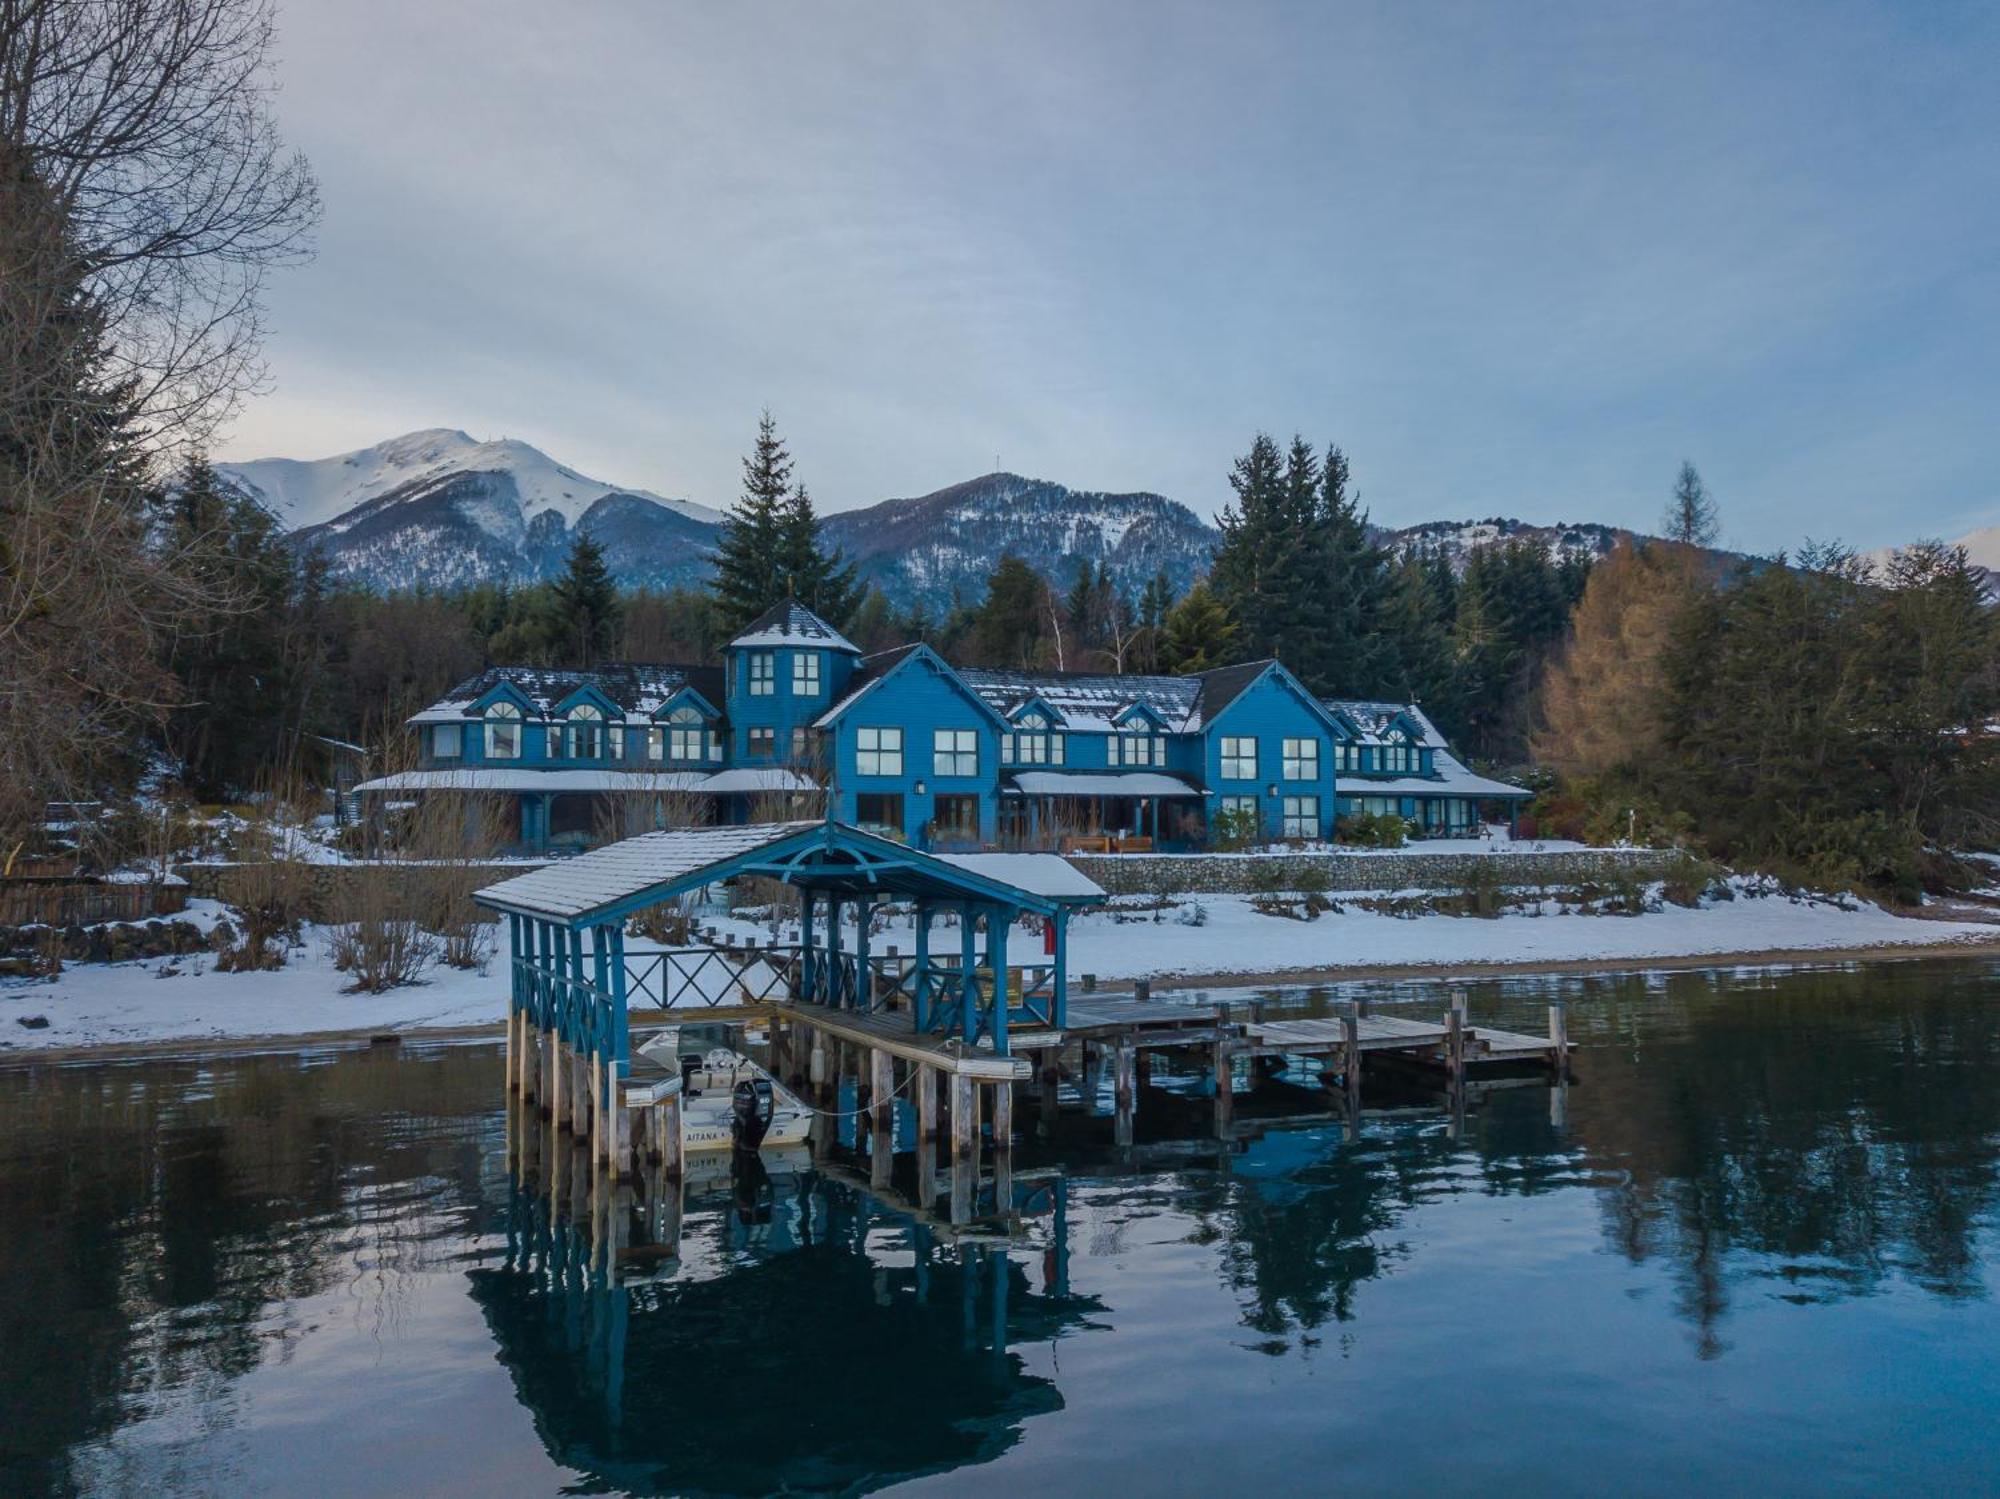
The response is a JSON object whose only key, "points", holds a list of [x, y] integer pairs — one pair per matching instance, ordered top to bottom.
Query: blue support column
{"points": [[864, 911], [998, 921], [808, 959], [968, 975], [834, 978], [920, 990], [600, 1004], [1059, 1014], [621, 1018]]}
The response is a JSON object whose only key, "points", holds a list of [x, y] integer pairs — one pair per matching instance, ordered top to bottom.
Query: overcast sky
{"points": [[1516, 259]]}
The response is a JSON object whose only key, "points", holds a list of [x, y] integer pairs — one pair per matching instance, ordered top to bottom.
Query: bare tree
{"points": [[147, 124], [143, 194]]}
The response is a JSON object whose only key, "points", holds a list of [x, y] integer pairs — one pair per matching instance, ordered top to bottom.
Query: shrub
{"points": [[1233, 830], [1373, 830], [1689, 878], [1482, 888], [381, 952]]}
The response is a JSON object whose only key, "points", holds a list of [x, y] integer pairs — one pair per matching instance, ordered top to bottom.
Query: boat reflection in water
{"points": [[644, 1320]]}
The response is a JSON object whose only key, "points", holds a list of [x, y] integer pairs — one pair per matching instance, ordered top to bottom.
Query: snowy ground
{"points": [[185, 999]]}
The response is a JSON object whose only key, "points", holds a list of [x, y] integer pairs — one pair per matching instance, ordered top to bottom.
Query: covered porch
{"points": [[1096, 812]]}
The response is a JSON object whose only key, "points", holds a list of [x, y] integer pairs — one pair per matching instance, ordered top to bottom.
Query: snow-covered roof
{"points": [[791, 623], [640, 688], [1086, 701], [1373, 718], [496, 778], [753, 778], [1452, 779], [1085, 783], [626, 868], [1039, 874]]}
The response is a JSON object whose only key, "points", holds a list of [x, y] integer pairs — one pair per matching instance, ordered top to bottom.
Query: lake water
{"points": [[1752, 1249]]}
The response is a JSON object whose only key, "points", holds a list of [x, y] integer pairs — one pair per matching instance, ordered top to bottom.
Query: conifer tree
{"points": [[1691, 518], [750, 561], [825, 583], [584, 609], [1006, 630], [1199, 634]]}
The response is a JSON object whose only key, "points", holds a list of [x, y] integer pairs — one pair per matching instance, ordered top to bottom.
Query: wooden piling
{"points": [[1142, 990], [1559, 1038], [1454, 1042], [1350, 1058], [1224, 1061], [1049, 1076], [1123, 1076], [559, 1093], [579, 1095], [882, 1098], [927, 1102], [1003, 1117], [962, 1118], [672, 1151]]}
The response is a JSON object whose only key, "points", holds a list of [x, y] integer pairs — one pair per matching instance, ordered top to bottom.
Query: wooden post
{"points": [[1089, 983], [1142, 990], [1559, 1038], [1454, 1044], [1350, 1058], [1142, 1068], [1093, 1075], [1050, 1077], [1225, 1084], [579, 1094], [1126, 1094], [882, 1100], [927, 1102], [962, 1108], [1003, 1117], [621, 1139], [671, 1149]]}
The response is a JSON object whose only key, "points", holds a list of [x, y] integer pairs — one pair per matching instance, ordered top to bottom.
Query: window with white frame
{"points": [[762, 667], [805, 673], [586, 731], [503, 732], [616, 736], [445, 741], [763, 741], [1033, 742], [656, 744], [714, 745], [801, 745], [1138, 745], [878, 752], [955, 752], [1397, 756], [1347, 757], [1239, 759], [1301, 759], [1241, 810], [1301, 817]]}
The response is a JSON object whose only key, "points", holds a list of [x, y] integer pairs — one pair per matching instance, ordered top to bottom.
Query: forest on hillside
{"points": [[1811, 713]]}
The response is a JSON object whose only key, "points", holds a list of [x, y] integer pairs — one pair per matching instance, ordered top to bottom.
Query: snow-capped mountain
{"points": [[311, 492], [1459, 539], [928, 549]]}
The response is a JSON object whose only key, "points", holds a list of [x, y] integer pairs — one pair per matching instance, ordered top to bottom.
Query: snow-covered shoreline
{"points": [[184, 1000]]}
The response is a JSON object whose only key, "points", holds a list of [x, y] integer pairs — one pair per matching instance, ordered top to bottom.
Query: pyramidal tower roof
{"points": [[790, 623]]}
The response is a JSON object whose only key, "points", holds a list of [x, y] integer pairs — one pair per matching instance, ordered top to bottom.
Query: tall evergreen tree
{"points": [[1691, 517], [751, 560], [824, 582], [584, 609], [1007, 630], [1200, 633]]}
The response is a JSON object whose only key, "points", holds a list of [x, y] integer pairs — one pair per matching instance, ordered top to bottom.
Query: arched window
{"points": [[503, 732], [586, 732], [685, 737]]}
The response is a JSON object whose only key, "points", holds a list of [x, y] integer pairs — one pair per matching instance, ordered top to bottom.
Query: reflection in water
{"points": [[205, 1265], [799, 1333]]}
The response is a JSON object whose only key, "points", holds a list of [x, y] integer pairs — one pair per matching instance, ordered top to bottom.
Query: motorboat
{"points": [[728, 1102]]}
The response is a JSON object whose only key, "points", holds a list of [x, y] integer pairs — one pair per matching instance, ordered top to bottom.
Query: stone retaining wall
{"points": [[1247, 874]]}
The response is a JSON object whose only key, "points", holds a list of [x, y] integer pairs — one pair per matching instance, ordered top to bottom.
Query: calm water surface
{"points": [[1753, 1249]]}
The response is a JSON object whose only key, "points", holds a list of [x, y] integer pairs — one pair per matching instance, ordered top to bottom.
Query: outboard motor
{"points": [[750, 1109]]}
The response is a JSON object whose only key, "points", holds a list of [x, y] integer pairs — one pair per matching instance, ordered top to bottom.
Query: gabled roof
{"points": [[790, 623], [876, 669], [1225, 684], [636, 688], [1086, 700], [1375, 718]]}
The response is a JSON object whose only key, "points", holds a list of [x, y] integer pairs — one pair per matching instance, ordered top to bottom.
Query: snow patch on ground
{"points": [[186, 999]]}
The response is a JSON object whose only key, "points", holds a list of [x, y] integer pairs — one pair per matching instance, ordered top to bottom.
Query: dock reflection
{"points": [[863, 1339]]}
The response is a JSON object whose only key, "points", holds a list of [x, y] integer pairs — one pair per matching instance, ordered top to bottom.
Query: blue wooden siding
{"points": [[918, 698]]}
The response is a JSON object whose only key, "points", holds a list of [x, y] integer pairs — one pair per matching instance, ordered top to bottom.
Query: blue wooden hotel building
{"points": [[797, 722]]}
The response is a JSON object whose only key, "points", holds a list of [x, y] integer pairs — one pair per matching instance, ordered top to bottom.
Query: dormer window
{"points": [[763, 669], [805, 673], [503, 732], [586, 732], [688, 738], [1033, 742], [1135, 743]]}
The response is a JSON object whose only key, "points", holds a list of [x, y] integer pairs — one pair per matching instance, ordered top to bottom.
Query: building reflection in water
{"points": [[648, 1324]]}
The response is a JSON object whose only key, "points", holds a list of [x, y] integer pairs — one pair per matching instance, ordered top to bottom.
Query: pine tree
{"points": [[1691, 518], [751, 559], [1252, 576], [825, 583], [583, 607], [1007, 629], [1200, 633], [1356, 652]]}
